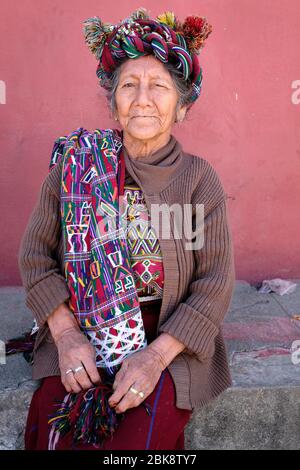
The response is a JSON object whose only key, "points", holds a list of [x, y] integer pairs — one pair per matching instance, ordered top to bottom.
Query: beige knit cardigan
{"points": [[198, 284]]}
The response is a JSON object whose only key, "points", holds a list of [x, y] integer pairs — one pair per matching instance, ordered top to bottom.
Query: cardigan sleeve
{"points": [[44, 284], [196, 321]]}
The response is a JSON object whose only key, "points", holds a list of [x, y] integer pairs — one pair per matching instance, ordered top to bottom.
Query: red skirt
{"points": [[162, 430]]}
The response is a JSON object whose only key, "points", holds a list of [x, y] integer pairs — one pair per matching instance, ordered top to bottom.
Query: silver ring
{"points": [[78, 369], [69, 371], [141, 394]]}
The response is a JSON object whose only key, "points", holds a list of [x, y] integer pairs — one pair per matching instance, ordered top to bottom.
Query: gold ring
{"points": [[78, 369], [69, 371]]}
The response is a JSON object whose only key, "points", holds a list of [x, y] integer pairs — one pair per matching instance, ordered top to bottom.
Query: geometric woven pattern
{"points": [[143, 245], [97, 263], [121, 340]]}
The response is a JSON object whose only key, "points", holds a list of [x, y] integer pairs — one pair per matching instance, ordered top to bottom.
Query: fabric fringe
{"points": [[22, 344], [88, 415]]}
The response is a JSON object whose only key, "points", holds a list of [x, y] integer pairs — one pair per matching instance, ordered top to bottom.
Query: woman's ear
{"points": [[181, 114]]}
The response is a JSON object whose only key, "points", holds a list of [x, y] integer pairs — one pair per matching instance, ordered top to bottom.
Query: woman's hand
{"points": [[74, 350], [140, 370]]}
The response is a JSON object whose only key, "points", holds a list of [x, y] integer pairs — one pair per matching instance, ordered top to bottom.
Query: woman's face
{"points": [[146, 98]]}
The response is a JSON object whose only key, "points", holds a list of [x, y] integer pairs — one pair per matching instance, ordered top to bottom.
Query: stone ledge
{"points": [[14, 405], [260, 411], [248, 419]]}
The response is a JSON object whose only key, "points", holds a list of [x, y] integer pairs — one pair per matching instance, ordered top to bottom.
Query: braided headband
{"points": [[139, 35]]}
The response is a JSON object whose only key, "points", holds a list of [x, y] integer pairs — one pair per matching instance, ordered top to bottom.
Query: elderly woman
{"points": [[129, 338]]}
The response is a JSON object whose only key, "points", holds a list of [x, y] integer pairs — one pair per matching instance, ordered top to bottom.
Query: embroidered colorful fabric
{"points": [[143, 245], [103, 299]]}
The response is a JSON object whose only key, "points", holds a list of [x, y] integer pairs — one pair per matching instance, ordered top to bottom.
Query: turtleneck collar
{"points": [[154, 172]]}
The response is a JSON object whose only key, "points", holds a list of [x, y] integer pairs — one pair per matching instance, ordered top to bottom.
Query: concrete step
{"points": [[260, 411]]}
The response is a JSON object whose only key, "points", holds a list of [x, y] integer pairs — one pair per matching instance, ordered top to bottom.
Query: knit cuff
{"points": [[45, 296], [193, 329]]}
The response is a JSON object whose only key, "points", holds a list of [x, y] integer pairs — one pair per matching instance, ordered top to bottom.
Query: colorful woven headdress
{"points": [[138, 35]]}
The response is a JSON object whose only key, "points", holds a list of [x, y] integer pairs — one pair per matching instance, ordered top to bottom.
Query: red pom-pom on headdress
{"points": [[195, 30]]}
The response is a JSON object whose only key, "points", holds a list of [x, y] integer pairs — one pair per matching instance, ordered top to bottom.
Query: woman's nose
{"points": [[143, 95]]}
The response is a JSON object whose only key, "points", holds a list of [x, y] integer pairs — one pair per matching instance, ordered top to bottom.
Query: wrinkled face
{"points": [[146, 98]]}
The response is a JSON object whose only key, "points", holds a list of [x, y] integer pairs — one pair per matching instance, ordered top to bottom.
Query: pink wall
{"points": [[246, 123]]}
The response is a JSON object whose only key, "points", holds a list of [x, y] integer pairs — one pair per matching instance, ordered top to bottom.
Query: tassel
{"points": [[140, 13], [168, 18], [196, 30], [96, 33], [19, 344], [88, 415]]}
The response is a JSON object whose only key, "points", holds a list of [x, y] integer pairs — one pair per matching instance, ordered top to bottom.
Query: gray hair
{"points": [[182, 86]]}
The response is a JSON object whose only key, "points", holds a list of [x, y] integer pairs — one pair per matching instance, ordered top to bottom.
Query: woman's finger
{"points": [[91, 370], [119, 377], [82, 378], [72, 382], [66, 385], [121, 389], [131, 399]]}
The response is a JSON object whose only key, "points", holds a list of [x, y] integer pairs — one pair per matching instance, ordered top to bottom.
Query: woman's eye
{"points": [[129, 84]]}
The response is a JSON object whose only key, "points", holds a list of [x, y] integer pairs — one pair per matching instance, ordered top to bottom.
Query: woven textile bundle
{"points": [[98, 272]]}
